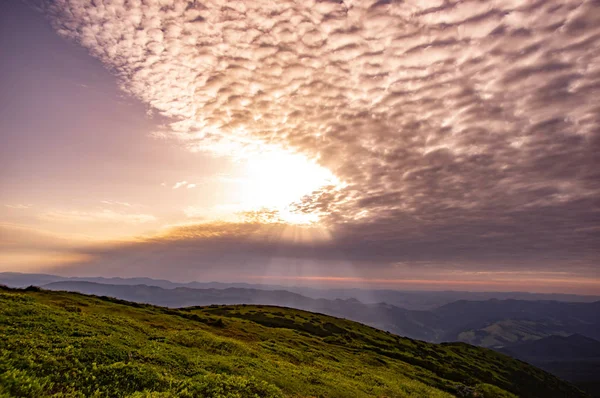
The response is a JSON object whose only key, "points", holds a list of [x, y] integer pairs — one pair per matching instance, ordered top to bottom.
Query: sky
{"points": [[438, 145]]}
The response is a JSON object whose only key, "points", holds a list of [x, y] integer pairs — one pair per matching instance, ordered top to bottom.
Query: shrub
{"points": [[120, 379], [17, 383], [225, 386], [491, 391]]}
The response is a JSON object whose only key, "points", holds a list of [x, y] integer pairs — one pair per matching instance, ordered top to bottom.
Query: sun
{"points": [[275, 179]]}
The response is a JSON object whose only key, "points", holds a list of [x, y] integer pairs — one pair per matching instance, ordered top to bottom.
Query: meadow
{"points": [[59, 344]]}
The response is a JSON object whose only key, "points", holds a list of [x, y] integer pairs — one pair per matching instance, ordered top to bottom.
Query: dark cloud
{"points": [[463, 131]]}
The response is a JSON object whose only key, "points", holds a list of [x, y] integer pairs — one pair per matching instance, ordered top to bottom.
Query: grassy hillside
{"points": [[491, 323], [421, 325], [512, 331], [71, 345]]}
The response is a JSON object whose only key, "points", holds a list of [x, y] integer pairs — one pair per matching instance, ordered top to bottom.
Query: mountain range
{"points": [[409, 299], [491, 323], [529, 330], [56, 343]]}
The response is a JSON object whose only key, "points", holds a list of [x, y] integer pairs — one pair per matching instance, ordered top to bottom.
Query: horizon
{"points": [[425, 146], [283, 286]]}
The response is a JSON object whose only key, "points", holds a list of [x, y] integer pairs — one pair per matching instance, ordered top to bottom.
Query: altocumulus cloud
{"points": [[466, 131]]}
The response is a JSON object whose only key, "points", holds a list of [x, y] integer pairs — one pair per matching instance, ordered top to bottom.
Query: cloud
{"points": [[462, 130], [180, 184], [186, 184], [115, 203], [18, 206], [100, 216], [20, 237], [261, 248], [29, 249]]}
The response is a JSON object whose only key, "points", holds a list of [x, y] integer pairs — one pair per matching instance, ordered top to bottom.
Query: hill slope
{"points": [[490, 323], [496, 323], [414, 324], [68, 344], [554, 348], [575, 358]]}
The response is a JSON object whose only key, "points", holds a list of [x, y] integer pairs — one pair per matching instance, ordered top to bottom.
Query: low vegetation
{"points": [[59, 344]]}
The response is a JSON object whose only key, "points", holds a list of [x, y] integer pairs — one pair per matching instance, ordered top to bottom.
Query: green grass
{"points": [[511, 331], [70, 345]]}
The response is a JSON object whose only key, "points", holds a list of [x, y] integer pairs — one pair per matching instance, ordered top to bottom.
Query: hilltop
{"points": [[68, 344]]}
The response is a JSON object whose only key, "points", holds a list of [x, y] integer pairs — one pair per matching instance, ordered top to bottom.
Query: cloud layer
{"points": [[463, 131]]}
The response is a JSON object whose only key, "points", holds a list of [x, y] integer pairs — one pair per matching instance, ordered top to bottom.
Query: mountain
{"points": [[17, 279], [184, 296], [412, 300], [429, 300], [383, 316], [492, 323], [497, 323], [507, 332], [69, 344], [554, 348], [575, 358]]}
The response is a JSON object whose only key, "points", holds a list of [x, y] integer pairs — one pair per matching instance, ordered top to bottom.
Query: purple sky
{"points": [[437, 145]]}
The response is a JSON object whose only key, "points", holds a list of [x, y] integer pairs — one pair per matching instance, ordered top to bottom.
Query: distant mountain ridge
{"points": [[17, 279], [412, 300], [383, 316], [484, 320], [460, 321], [490, 323]]}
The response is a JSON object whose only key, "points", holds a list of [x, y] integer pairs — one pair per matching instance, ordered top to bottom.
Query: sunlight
{"points": [[275, 179], [292, 217]]}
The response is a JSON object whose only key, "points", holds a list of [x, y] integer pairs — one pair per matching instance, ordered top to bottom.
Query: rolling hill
{"points": [[490, 323], [499, 323], [416, 324], [68, 344], [554, 348], [575, 358]]}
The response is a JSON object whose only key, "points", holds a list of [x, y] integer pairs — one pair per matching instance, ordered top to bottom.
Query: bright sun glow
{"points": [[274, 180]]}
